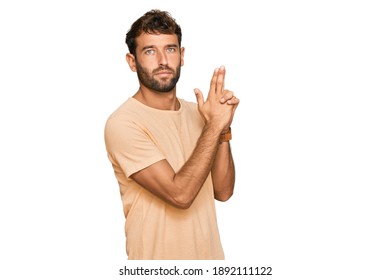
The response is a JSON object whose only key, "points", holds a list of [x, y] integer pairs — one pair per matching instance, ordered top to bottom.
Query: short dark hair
{"points": [[152, 22]]}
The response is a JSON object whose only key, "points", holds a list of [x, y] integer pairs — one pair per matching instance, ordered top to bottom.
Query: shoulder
{"points": [[125, 109], [127, 112], [122, 117]]}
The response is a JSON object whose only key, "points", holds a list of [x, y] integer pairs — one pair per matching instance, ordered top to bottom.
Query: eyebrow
{"points": [[153, 46], [172, 46]]}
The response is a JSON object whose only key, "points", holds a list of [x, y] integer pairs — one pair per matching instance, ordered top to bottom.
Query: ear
{"points": [[182, 56], [131, 60]]}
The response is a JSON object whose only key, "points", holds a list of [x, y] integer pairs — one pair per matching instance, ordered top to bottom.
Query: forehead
{"points": [[157, 40]]}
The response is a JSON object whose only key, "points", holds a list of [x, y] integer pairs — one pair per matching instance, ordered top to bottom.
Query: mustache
{"points": [[163, 68]]}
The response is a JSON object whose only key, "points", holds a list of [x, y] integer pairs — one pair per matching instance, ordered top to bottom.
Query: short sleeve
{"points": [[129, 147]]}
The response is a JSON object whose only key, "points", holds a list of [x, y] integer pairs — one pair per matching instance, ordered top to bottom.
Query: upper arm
{"points": [[129, 147]]}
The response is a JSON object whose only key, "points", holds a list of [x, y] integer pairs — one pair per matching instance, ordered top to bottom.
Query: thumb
{"points": [[199, 96]]}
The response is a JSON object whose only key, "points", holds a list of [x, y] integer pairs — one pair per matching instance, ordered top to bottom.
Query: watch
{"points": [[225, 137]]}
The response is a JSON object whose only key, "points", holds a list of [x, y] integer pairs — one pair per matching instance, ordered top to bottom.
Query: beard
{"points": [[147, 79]]}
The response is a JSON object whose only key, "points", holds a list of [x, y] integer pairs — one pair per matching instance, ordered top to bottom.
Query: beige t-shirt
{"points": [[137, 136]]}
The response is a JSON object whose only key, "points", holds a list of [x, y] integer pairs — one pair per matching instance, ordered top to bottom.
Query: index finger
{"points": [[220, 80]]}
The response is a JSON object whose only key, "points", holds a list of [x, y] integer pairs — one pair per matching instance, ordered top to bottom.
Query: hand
{"points": [[230, 99], [214, 111]]}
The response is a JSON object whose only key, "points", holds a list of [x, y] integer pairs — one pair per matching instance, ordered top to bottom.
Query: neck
{"points": [[158, 100]]}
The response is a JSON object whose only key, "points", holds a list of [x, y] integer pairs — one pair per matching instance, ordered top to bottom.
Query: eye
{"points": [[171, 50], [149, 51]]}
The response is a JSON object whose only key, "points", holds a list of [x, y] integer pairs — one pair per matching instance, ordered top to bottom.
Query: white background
{"points": [[311, 135]]}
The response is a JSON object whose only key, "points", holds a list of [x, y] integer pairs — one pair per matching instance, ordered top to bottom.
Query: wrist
{"points": [[225, 136]]}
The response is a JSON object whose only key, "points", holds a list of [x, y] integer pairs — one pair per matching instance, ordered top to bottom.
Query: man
{"points": [[171, 157]]}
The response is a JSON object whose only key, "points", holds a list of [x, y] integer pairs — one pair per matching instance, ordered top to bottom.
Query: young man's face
{"points": [[158, 61]]}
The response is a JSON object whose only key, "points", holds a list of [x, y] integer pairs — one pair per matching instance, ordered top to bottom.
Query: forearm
{"points": [[223, 172], [191, 177], [181, 188]]}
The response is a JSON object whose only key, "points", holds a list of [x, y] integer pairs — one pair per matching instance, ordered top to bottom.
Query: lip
{"points": [[164, 73]]}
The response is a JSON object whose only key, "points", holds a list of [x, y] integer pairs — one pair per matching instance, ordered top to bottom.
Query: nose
{"points": [[162, 58]]}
